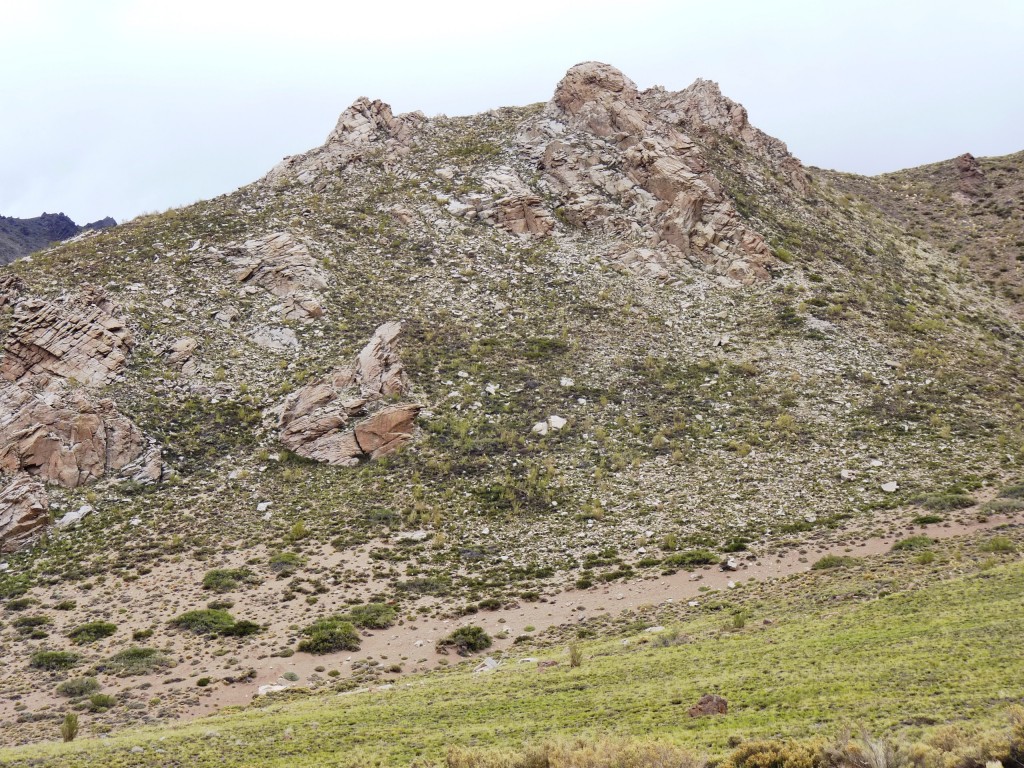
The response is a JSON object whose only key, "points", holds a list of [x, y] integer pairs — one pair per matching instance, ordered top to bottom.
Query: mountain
{"points": [[20, 237], [519, 370]]}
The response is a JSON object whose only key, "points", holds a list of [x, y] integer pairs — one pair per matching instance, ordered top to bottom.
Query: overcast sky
{"points": [[118, 107]]}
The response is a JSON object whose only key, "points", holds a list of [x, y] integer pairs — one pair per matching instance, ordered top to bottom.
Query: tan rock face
{"points": [[364, 127], [283, 265], [84, 339], [343, 419], [61, 435], [24, 513]]}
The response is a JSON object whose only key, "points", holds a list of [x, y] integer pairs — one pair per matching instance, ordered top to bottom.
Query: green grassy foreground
{"points": [[936, 651]]}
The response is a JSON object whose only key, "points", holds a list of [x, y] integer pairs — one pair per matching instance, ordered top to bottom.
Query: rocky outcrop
{"points": [[701, 109], [364, 127], [619, 168], [970, 178], [283, 265], [85, 339], [345, 418], [62, 435], [24, 513]]}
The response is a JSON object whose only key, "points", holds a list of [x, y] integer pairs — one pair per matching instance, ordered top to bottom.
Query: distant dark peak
{"points": [[20, 237]]}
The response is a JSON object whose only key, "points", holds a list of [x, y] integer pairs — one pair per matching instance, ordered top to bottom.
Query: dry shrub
{"points": [[578, 753], [772, 753]]}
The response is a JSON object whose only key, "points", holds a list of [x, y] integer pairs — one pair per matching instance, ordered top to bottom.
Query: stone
{"points": [[84, 338], [275, 338], [181, 350], [344, 418], [556, 422], [847, 474], [891, 487], [24, 513], [72, 518], [709, 704]]}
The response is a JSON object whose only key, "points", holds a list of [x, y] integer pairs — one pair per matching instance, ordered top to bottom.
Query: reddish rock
{"points": [[24, 513], [709, 704]]}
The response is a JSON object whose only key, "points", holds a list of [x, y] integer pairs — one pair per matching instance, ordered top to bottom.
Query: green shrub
{"points": [[1013, 491], [943, 502], [1003, 506], [927, 519], [912, 543], [998, 544], [690, 558], [833, 561], [286, 563], [227, 579], [20, 603], [66, 605], [372, 615], [204, 621], [28, 623], [243, 628], [91, 632], [142, 634], [329, 635], [465, 640], [53, 660], [137, 661], [78, 686], [101, 702], [69, 728], [776, 754]]}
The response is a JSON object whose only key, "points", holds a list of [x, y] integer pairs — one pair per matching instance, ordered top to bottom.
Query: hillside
{"points": [[20, 237], [482, 369]]}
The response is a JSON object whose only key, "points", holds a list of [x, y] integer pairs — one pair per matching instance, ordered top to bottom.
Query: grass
{"points": [[829, 562], [136, 661], [814, 669]]}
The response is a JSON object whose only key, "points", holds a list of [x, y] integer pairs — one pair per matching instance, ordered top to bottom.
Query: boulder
{"points": [[345, 417], [24, 513], [709, 704]]}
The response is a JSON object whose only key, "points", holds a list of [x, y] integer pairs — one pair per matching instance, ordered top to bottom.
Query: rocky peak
{"points": [[600, 99], [364, 126], [970, 178]]}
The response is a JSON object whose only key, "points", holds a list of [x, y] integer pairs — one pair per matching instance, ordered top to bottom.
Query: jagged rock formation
{"points": [[362, 128], [618, 166], [970, 178], [20, 237], [283, 265], [85, 339], [317, 421], [48, 427], [63, 435], [24, 513]]}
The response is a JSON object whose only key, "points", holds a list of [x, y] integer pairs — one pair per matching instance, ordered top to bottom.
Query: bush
{"points": [[1013, 492], [943, 502], [927, 519], [912, 543], [998, 544], [690, 558], [833, 561], [286, 563], [227, 579], [20, 603], [372, 616], [205, 621], [28, 623], [243, 628], [91, 632], [330, 635], [465, 640], [575, 655], [53, 660], [137, 661], [78, 686], [101, 702], [69, 728], [776, 754]]}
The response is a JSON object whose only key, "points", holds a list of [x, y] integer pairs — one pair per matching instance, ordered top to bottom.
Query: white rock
{"points": [[565, 381], [491, 389], [556, 422], [541, 428], [877, 462], [847, 474], [890, 487], [263, 506], [73, 517], [263, 690]]}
